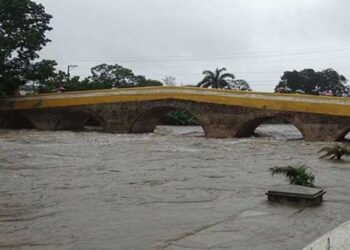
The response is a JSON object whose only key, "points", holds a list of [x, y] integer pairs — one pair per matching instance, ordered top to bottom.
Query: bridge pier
{"points": [[38, 119], [46, 120], [315, 127], [324, 132]]}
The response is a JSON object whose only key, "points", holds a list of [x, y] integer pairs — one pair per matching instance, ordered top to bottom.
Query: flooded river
{"points": [[173, 189]]}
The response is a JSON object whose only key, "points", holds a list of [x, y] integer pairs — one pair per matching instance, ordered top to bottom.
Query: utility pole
{"points": [[69, 67]]}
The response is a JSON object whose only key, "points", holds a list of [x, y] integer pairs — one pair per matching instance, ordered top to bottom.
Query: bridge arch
{"points": [[77, 120], [17, 121], [146, 121], [247, 128], [344, 135]]}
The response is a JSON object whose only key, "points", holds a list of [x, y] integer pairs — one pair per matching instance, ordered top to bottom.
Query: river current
{"points": [[173, 189]]}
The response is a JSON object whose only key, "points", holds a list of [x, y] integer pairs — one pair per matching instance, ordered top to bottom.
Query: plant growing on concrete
{"points": [[335, 152], [297, 175]]}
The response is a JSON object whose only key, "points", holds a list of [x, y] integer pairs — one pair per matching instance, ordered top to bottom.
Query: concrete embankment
{"points": [[337, 239]]}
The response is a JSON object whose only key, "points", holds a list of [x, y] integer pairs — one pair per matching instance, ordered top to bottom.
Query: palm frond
{"points": [[218, 71], [209, 73], [227, 75], [215, 79], [205, 80], [223, 83], [207, 84], [324, 149], [335, 152], [296, 175]]}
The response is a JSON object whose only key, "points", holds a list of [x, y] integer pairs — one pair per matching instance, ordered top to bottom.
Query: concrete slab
{"points": [[296, 194]]}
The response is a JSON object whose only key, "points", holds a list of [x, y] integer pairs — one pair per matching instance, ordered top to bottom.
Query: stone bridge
{"points": [[221, 113]]}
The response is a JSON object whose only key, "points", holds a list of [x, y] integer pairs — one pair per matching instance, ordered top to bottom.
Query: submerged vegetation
{"points": [[335, 152], [297, 175]]}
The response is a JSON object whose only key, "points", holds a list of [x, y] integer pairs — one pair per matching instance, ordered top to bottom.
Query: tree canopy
{"points": [[23, 24], [112, 75], [103, 76], [119, 77], [216, 79], [142, 81], [169, 81], [312, 82], [240, 84]]}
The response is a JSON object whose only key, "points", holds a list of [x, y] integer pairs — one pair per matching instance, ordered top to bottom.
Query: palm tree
{"points": [[216, 80], [297, 175]]}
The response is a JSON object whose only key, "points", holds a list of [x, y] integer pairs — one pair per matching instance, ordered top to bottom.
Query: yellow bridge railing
{"points": [[283, 102]]}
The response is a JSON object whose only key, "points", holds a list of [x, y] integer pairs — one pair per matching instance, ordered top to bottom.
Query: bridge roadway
{"points": [[221, 113]]}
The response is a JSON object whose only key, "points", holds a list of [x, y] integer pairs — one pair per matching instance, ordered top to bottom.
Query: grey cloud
{"points": [[184, 37]]}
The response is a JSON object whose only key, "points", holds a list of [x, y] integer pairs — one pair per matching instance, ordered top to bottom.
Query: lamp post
{"points": [[69, 67]]}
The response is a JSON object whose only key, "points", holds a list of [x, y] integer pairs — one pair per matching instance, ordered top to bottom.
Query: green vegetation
{"points": [[23, 24], [103, 76], [116, 76], [216, 79], [220, 80], [312, 82], [240, 84], [179, 117], [335, 152], [297, 175]]}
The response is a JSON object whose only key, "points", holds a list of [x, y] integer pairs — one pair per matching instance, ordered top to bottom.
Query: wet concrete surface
{"points": [[173, 189]]}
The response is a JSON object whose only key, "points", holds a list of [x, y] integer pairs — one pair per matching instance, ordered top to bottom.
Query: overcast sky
{"points": [[254, 39]]}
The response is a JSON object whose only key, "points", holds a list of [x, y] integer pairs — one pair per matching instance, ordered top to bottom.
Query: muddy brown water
{"points": [[173, 189]]}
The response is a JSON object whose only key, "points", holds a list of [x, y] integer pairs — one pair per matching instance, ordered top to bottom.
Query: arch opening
{"points": [[168, 120], [17, 121], [80, 121], [93, 124], [279, 127], [345, 136]]}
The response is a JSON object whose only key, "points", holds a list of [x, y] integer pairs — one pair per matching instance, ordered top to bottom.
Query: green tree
{"points": [[23, 24], [43, 74], [108, 76], [112, 76], [216, 79], [331, 80], [141, 81], [312, 82], [240, 84]]}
